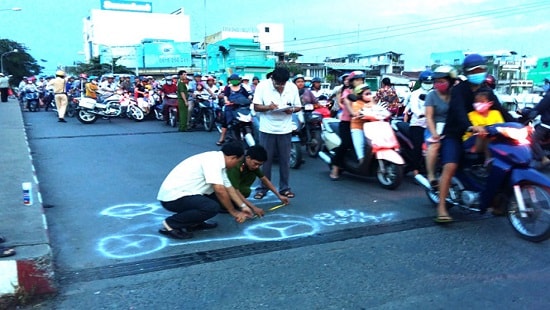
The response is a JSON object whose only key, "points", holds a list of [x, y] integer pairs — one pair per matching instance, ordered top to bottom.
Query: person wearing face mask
{"points": [[234, 93], [437, 105], [416, 112], [481, 116], [457, 123], [542, 130]]}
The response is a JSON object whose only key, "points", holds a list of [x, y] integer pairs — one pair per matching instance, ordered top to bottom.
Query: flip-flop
{"points": [[287, 193], [259, 195], [443, 219], [5, 252]]}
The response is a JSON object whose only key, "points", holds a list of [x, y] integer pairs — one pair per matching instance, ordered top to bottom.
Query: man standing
{"points": [[4, 86], [276, 99], [61, 100], [183, 104], [196, 187]]}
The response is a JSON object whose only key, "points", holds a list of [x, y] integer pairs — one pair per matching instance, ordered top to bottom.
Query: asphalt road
{"points": [[339, 245]]}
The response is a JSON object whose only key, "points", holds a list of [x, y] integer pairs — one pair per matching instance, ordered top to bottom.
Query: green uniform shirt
{"points": [[181, 88], [242, 180]]}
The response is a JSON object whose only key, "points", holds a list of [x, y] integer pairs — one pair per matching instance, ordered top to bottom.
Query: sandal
{"points": [[219, 143], [287, 193], [259, 195], [441, 219], [5, 252]]}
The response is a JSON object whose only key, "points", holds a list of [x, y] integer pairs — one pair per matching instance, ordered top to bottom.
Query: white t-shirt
{"points": [[276, 122], [195, 175]]}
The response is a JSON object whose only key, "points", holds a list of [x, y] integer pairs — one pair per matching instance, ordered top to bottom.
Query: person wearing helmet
{"points": [[197, 79], [354, 79], [490, 81], [255, 82], [107, 87], [316, 87], [92, 88], [234, 95], [306, 96], [61, 100], [364, 101], [436, 106], [415, 113], [457, 123], [542, 130]]}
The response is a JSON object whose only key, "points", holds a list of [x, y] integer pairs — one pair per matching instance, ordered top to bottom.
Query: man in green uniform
{"points": [[183, 104], [245, 173]]}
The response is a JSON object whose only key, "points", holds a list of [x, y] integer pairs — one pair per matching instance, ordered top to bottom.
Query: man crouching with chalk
{"points": [[243, 175], [196, 187]]}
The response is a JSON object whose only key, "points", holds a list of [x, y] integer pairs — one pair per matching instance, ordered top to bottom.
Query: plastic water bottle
{"points": [[27, 193]]}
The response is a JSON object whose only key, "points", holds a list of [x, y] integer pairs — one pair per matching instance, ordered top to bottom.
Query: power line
{"points": [[420, 26]]}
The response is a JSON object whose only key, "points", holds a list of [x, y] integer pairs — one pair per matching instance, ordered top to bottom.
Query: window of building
{"points": [[266, 29], [267, 47], [545, 64]]}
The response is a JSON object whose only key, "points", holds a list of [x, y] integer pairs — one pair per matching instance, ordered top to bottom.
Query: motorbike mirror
{"points": [[352, 97]]}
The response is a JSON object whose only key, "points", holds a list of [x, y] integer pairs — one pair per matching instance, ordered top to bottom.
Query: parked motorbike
{"points": [[31, 100], [89, 109], [310, 134], [381, 149], [507, 182]]}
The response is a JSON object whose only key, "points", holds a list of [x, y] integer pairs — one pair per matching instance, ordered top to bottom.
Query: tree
{"points": [[18, 64], [95, 67]]}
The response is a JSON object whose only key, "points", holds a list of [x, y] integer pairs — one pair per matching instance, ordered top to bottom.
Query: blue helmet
{"points": [[474, 61], [426, 76]]}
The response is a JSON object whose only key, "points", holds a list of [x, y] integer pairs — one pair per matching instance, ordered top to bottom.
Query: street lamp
{"points": [[2, 59]]}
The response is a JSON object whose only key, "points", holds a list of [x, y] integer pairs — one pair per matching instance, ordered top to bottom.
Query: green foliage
{"points": [[18, 64], [95, 67], [293, 68]]}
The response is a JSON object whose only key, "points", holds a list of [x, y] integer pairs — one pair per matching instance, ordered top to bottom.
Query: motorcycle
{"points": [[31, 99], [89, 109], [133, 109], [170, 109], [203, 112], [298, 126], [241, 127], [401, 131], [310, 134], [382, 158], [507, 182]]}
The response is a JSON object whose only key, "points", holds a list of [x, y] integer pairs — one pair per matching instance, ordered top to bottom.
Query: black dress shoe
{"points": [[203, 225], [176, 233]]}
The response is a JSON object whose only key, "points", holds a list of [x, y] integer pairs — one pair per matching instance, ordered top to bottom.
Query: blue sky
{"points": [[52, 30]]}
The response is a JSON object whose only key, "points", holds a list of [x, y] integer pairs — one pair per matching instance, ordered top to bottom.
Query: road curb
{"points": [[30, 271]]}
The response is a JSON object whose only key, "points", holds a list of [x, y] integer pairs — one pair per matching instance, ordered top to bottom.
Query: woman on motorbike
{"points": [[354, 79], [200, 93], [233, 93], [364, 101], [437, 104]]}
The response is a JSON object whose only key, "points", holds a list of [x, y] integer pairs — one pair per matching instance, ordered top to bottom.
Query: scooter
{"points": [[31, 99], [89, 109], [203, 112], [241, 127], [310, 134], [382, 158], [508, 183]]}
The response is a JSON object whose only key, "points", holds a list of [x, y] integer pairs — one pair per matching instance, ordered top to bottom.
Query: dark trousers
{"points": [[4, 94], [417, 139], [347, 143], [276, 145], [191, 210]]}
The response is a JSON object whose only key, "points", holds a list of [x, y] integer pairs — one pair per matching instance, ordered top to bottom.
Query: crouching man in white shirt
{"points": [[196, 188]]}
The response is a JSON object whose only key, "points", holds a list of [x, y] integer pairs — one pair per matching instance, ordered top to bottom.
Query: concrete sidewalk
{"points": [[24, 226]]}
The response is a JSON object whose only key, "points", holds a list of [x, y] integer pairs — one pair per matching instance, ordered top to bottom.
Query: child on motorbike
{"points": [[364, 101], [482, 115]]}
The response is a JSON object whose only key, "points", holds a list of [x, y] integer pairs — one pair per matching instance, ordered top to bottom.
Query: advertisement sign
{"points": [[133, 6], [166, 54]]}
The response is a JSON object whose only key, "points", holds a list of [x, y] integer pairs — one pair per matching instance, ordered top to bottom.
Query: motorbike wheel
{"points": [[34, 107], [71, 111], [136, 113], [158, 115], [85, 117], [172, 118], [208, 120], [314, 146], [295, 155], [392, 176], [535, 225]]}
